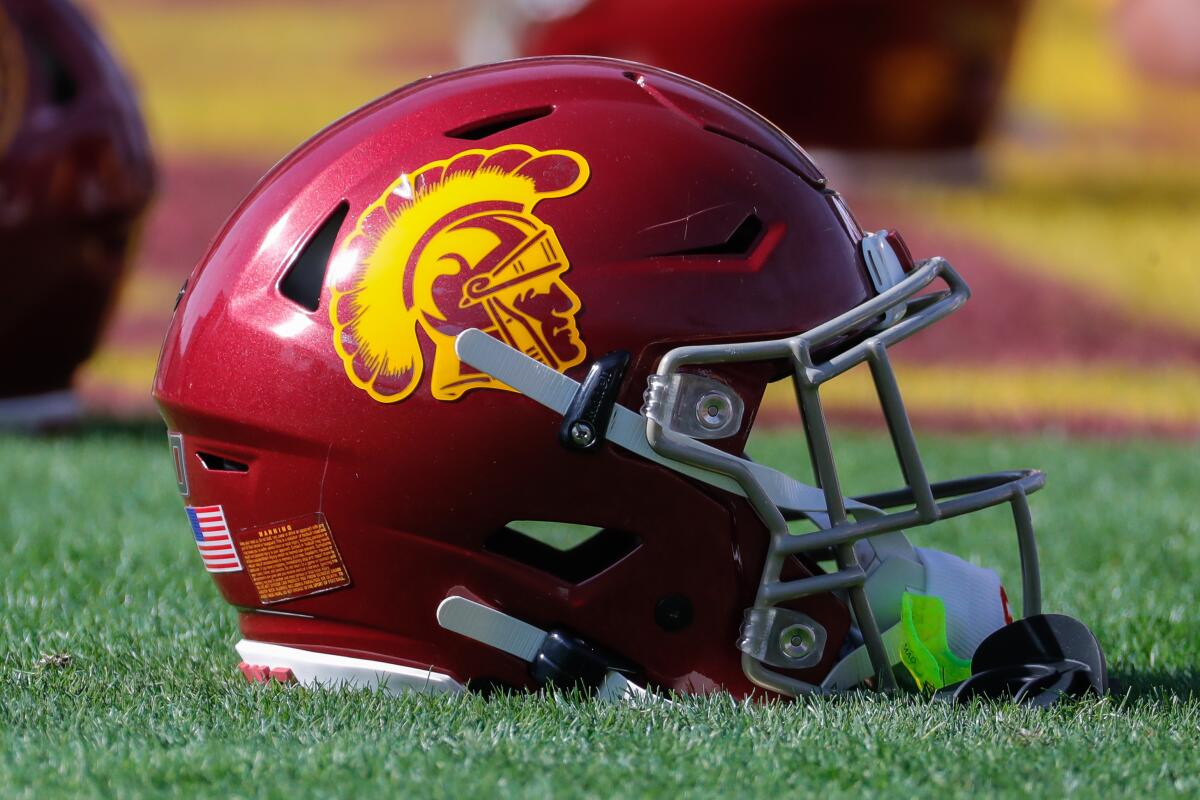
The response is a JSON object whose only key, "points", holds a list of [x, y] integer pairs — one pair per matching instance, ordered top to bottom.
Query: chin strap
{"points": [[627, 429], [935, 609], [556, 658], [1036, 661]]}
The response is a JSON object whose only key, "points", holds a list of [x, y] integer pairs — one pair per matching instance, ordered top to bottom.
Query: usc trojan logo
{"points": [[451, 246]]}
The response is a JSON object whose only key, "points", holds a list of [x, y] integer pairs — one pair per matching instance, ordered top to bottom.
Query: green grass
{"points": [[97, 564]]}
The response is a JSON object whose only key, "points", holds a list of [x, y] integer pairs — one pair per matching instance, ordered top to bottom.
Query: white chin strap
{"points": [[627, 429], [973, 597], [496, 629]]}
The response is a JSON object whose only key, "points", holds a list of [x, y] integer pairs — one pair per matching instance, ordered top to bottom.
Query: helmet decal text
{"points": [[455, 245]]}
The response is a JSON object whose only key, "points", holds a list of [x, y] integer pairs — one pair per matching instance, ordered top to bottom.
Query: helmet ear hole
{"points": [[305, 278], [570, 552]]}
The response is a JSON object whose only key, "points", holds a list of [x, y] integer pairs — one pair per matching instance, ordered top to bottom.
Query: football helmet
{"points": [[847, 74], [75, 176], [553, 291]]}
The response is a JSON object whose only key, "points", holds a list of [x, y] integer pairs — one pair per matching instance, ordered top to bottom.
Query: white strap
{"points": [[627, 429], [973, 596], [493, 628], [517, 637], [856, 667], [617, 688]]}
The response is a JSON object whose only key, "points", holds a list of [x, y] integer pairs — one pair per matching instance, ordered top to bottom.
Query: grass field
{"points": [[119, 677]]}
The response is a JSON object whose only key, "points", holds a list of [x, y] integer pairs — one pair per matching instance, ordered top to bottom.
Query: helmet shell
{"points": [[683, 217]]}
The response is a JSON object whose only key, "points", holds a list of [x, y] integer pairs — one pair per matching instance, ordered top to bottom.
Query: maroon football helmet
{"points": [[852, 74], [75, 174], [552, 292]]}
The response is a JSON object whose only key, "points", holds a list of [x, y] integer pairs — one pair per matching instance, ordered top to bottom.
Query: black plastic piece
{"points": [[481, 129], [739, 243], [303, 281], [586, 422], [216, 463], [585, 560], [673, 613], [566, 661], [1035, 661]]}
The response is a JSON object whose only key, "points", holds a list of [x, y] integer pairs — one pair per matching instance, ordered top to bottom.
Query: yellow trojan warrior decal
{"points": [[450, 246]]}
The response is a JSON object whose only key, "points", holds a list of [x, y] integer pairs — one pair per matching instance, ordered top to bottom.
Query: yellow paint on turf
{"points": [[1068, 68], [255, 79], [1091, 200], [1132, 244], [147, 294], [125, 371], [1166, 397]]}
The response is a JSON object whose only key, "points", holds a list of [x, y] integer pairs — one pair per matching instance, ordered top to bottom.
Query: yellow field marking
{"points": [[1068, 68], [257, 79], [1130, 244], [148, 295], [125, 370], [1165, 396], [1169, 396]]}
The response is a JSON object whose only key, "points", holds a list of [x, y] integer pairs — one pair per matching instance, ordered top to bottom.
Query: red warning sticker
{"points": [[293, 558]]}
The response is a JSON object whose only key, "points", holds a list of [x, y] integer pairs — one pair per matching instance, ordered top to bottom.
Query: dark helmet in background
{"points": [[75, 176]]}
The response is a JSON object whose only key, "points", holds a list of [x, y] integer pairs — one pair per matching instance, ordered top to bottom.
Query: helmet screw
{"points": [[714, 410], [582, 434], [673, 612], [797, 640]]}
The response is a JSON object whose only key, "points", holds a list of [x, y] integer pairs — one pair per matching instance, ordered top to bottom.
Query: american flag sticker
{"points": [[213, 539]]}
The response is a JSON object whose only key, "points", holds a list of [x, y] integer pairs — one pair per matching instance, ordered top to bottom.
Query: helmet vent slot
{"points": [[62, 85], [481, 129], [739, 243], [304, 279], [216, 463], [570, 552]]}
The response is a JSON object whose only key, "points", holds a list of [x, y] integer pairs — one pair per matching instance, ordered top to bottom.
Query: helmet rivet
{"points": [[713, 410], [582, 433], [673, 612], [797, 640]]}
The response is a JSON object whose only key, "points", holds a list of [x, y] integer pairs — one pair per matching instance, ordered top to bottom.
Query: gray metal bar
{"points": [[903, 440], [931, 501], [835, 506], [853, 531], [1031, 574], [818, 584]]}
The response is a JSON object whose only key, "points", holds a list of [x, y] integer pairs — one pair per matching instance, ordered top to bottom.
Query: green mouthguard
{"points": [[924, 650]]}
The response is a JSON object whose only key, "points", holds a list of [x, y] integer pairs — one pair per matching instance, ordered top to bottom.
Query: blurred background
{"points": [[1050, 149]]}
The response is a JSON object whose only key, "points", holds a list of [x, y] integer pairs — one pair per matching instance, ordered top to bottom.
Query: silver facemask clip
{"points": [[693, 405]]}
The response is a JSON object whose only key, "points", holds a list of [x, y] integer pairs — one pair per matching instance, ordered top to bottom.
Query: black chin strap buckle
{"points": [[586, 421], [1035, 661], [567, 662]]}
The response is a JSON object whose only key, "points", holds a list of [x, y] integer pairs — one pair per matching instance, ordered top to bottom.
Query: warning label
{"points": [[293, 558]]}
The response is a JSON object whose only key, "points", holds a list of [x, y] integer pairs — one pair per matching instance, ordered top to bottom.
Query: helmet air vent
{"points": [[63, 86], [481, 129], [740, 241], [304, 279], [216, 463], [570, 552]]}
